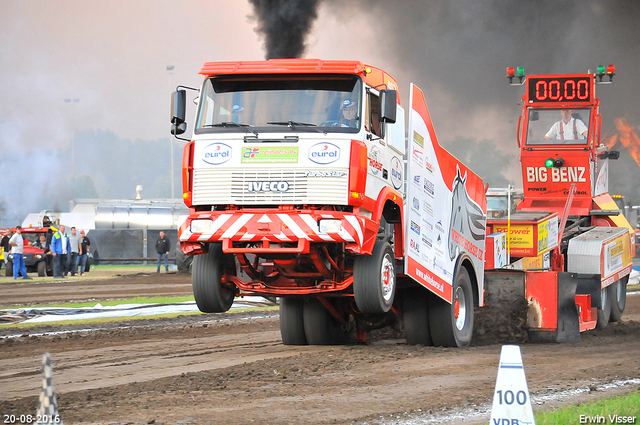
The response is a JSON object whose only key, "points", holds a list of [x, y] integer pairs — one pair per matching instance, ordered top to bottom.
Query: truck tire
{"points": [[183, 261], [8, 268], [42, 268], [374, 279], [210, 295], [618, 296], [604, 311], [416, 317], [292, 321], [451, 325], [320, 327]]}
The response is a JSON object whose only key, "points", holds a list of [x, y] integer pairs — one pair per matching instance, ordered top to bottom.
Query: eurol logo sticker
{"points": [[216, 153], [324, 153], [396, 172]]}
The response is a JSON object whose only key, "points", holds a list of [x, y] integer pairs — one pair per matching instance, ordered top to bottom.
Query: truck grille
{"points": [[220, 187]]}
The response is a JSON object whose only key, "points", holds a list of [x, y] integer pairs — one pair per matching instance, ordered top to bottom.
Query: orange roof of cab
{"points": [[375, 78]]}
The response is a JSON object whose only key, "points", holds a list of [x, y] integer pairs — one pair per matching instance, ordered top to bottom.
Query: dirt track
{"points": [[233, 368]]}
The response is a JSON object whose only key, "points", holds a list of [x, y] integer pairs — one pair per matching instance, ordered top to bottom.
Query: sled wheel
{"points": [[8, 268], [42, 268], [374, 280], [211, 296], [618, 296], [604, 311], [415, 315], [292, 322], [451, 325], [320, 327]]}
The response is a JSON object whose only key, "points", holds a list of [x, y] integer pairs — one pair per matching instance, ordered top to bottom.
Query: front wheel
{"points": [[8, 268], [42, 268], [374, 279], [210, 294], [618, 296], [451, 325]]}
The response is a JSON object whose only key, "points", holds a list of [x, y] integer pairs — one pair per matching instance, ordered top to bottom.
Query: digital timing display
{"points": [[557, 90]]}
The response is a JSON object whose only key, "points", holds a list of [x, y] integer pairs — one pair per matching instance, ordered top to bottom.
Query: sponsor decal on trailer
{"points": [[452, 212]]}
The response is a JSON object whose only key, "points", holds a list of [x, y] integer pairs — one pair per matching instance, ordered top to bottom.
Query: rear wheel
{"points": [[9, 268], [42, 268], [374, 279], [210, 295], [618, 296], [604, 312], [416, 317], [292, 321], [451, 325], [320, 327]]}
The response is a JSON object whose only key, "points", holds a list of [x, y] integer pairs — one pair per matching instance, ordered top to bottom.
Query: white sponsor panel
{"points": [[429, 188], [447, 222]]}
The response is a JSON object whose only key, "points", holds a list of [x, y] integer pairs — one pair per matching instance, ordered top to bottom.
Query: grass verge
{"points": [[618, 409]]}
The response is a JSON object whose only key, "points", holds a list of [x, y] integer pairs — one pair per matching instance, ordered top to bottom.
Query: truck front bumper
{"points": [[256, 231]]}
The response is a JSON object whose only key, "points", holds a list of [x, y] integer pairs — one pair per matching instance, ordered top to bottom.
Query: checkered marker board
{"points": [[48, 402]]}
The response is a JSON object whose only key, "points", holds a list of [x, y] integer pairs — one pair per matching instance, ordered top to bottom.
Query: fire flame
{"points": [[627, 136]]}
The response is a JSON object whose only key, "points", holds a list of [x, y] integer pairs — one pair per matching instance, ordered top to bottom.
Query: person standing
{"points": [[4, 244], [17, 244], [44, 245], [74, 248], [85, 248], [162, 248], [60, 249]]}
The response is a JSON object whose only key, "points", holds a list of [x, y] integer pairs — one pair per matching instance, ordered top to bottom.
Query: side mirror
{"points": [[388, 105], [178, 111], [178, 129]]}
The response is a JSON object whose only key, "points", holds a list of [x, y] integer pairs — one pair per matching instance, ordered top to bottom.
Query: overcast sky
{"points": [[109, 58]]}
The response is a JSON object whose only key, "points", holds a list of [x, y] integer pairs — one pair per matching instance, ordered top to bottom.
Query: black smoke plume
{"points": [[285, 24]]}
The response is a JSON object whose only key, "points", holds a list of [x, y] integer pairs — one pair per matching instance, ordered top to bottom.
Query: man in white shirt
{"points": [[568, 128], [17, 246]]}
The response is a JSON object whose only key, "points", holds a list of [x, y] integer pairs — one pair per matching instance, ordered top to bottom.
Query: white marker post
{"points": [[511, 401]]}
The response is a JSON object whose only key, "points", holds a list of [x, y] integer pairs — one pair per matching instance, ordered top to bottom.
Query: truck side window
{"points": [[372, 113]]}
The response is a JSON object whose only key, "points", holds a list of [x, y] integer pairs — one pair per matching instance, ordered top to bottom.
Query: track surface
{"points": [[233, 368]]}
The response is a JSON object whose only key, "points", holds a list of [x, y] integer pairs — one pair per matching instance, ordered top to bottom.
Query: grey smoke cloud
{"points": [[285, 25], [457, 51]]}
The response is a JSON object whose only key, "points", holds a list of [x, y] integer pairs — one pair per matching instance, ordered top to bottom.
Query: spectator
{"points": [[17, 243], [4, 244], [74, 244], [44, 245], [60, 248], [85, 248], [162, 248]]}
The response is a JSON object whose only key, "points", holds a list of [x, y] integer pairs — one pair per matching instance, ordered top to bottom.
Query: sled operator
{"points": [[568, 128]]}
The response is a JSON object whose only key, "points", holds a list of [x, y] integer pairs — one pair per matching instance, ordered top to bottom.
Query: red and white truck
{"points": [[303, 183]]}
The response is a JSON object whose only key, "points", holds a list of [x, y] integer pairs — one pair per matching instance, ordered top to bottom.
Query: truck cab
{"points": [[297, 182]]}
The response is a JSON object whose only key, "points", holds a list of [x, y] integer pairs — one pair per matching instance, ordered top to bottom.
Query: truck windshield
{"points": [[278, 103], [558, 127]]}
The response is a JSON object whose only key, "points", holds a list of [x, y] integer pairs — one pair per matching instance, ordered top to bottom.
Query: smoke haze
{"points": [[285, 24], [113, 56]]}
